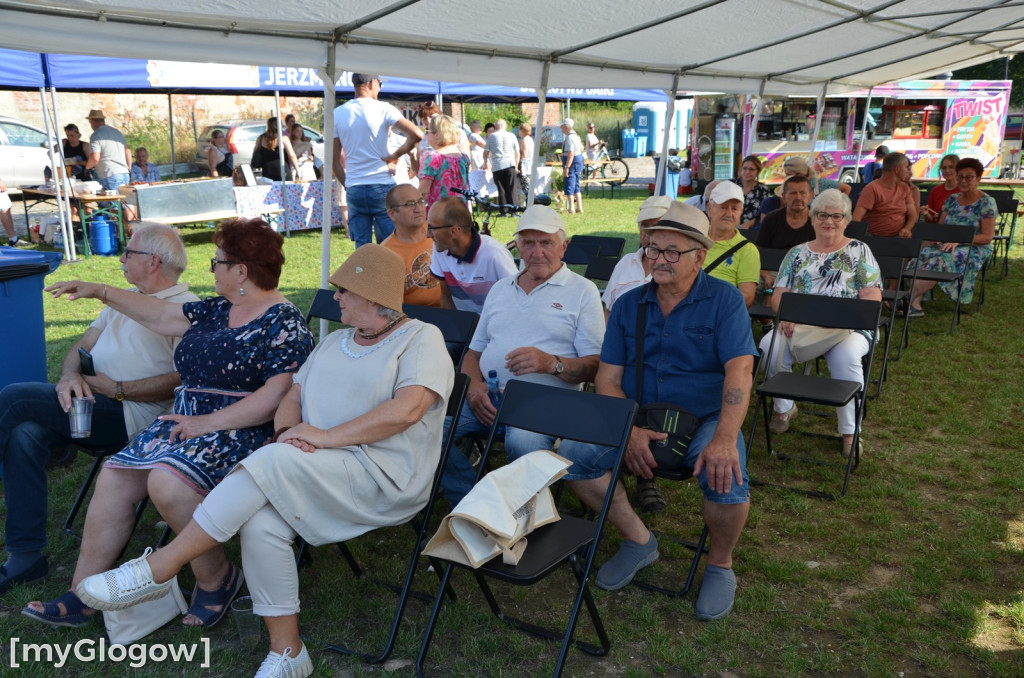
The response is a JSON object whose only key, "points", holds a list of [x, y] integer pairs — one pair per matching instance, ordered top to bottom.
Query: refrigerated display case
{"points": [[725, 146]]}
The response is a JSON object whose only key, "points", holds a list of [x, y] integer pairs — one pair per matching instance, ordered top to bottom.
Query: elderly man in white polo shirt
{"points": [[544, 325]]}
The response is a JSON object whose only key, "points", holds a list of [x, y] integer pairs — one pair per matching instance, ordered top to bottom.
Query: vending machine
{"points": [[726, 126]]}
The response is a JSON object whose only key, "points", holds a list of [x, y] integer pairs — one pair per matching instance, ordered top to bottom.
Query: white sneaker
{"points": [[128, 585], [283, 665]]}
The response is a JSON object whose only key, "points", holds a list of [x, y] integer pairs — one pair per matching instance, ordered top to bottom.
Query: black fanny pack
{"points": [[679, 423]]}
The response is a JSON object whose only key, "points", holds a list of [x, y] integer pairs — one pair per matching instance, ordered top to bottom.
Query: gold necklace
{"points": [[383, 330]]}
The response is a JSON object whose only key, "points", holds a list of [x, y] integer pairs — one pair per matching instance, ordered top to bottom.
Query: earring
{"points": [[241, 291]]}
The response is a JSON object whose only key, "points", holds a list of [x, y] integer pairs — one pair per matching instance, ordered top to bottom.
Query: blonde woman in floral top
{"points": [[447, 167], [834, 266]]}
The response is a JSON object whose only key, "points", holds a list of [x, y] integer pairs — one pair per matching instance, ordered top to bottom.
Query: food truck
{"points": [[925, 119]]}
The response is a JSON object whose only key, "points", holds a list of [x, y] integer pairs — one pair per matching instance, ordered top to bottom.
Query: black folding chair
{"points": [[1006, 228], [856, 230], [947, 233], [607, 245], [580, 253], [892, 253], [771, 260], [600, 270], [324, 307], [820, 311], [456, 327], [567, 414], [420, 525]]}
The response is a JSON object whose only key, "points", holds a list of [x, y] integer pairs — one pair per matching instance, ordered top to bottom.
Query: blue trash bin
{"points": [[629, 147], [23, 341]]}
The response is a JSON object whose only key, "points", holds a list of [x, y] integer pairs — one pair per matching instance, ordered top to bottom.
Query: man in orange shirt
{"points": [[887, 204], [407, 209]]}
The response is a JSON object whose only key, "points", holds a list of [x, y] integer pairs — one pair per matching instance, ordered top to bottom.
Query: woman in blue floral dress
{"points": [[969, 207], [831, 265], [236, 359]]}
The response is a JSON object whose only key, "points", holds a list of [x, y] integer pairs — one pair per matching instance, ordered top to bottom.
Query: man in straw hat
{"points": [[110, 154], [634, 269], [542, 325], [706, 369]]}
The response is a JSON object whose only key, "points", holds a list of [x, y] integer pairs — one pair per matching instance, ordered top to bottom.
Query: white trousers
{"points": [[843, 363], [238, 506]]}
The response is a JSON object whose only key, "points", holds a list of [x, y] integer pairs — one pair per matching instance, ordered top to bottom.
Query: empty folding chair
{"points": [[1006, 229], [607, 245], [580, 253], [895, 256], [818, 311], [456, 327], [572, 542]]}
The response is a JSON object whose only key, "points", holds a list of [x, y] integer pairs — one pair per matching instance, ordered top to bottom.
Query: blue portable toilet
{"points": [[649, 118]]}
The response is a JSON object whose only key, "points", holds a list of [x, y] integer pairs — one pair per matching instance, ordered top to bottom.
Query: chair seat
{"points": [[938, 276], [833, 392], [547, 547]]}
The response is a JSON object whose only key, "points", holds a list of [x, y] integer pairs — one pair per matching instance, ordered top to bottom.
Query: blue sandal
{"points": [[202, 600], [51, 615]]}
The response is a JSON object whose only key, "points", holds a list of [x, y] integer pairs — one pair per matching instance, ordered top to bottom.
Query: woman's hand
{"points": [[948, 246], [77, 289], [787, 327], [71, 385], [187, 426], [305, 437]]}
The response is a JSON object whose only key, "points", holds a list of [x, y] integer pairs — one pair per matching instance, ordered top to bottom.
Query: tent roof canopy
{"points": [[713, 45]]}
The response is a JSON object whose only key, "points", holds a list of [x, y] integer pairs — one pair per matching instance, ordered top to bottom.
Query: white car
{"points": [[241, 138], [23, 154]]}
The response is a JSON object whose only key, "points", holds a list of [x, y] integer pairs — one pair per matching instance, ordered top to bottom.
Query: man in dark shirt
{"points": [[791, 224]]}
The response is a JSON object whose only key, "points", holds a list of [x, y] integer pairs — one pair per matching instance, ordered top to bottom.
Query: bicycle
{"points": [[605, 169], [490, 207]]}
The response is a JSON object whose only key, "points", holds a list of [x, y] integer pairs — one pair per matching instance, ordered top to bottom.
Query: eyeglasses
{"points": [[966, 177], [411, 203], [826, 216], [437, 228], [128, 253], [671, 256], [215, 261]]}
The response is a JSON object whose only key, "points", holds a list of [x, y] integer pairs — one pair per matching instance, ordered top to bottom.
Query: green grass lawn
{"points": [[919, 571]]}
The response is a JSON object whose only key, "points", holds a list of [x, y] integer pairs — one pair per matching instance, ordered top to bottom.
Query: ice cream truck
{"points": [[924, 119]]}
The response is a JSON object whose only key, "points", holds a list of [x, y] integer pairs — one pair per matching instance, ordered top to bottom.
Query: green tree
{"points": [[998, 70]]}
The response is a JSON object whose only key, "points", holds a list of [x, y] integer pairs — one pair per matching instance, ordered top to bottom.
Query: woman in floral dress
{"points": [[969, 207], [834, 266], [236, 359]]}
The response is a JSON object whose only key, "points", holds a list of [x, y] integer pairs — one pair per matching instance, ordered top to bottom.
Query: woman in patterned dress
{"points": [[447, 167], [969, 207], [834, 266], [236, 358]]}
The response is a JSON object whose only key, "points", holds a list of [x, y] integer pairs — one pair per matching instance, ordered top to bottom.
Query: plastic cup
{"points": [[80, 417], [249, 625]]}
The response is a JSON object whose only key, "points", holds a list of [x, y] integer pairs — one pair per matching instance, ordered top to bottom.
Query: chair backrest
{"points": [[856, 229], [749, 233], [944, 233], [607, 245], [906, 248], [580, 253], [771, 258], [601, 268], [324, 306], [822, 311], [456, 327], [566, 413]]}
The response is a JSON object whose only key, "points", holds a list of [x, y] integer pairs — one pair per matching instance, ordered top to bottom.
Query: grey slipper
{"points": [[627, 561], [717, 593]]}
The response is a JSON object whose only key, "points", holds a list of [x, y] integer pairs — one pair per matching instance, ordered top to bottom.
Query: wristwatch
{"points": [[559, 367], [118, 391]]}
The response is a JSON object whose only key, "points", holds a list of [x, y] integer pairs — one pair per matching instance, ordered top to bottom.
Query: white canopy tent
{"points": [[789, 47]]}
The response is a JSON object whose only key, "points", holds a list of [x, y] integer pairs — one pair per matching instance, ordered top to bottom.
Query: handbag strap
{"points": [[725, 255]]}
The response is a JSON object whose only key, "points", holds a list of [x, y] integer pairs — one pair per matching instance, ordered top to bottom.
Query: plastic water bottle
{"points": [[494, 393]]}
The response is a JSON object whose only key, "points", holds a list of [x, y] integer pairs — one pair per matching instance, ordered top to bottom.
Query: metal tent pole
{"points": [[328, 76], [542, 100], [170, 121], [817, 124], [863, 130], [284, 167], [659, 187], [63, 209]]}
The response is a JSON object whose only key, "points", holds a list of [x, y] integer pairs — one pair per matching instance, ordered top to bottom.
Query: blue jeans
{"points": [[114, 181], [571, 184], [368, 213], [31, 422], [592, 461], [459, 474]]}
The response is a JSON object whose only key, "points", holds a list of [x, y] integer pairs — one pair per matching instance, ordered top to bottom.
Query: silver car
{"points": [[241, 138], [23, 154]]}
